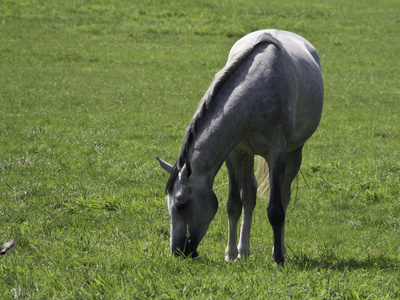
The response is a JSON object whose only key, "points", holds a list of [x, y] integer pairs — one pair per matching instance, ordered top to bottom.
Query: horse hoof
{"points": [[230, 257], [280, 261]]}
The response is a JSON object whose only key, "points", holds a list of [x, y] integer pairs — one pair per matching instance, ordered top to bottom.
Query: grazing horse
{"points": [[266, 101]]}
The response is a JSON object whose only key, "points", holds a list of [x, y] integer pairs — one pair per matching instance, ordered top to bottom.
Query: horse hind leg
{"points": [[293, 163], [292, 166], [276, 211]]}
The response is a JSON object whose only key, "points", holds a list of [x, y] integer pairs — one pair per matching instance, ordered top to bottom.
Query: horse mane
{"points": [[219, 79]]}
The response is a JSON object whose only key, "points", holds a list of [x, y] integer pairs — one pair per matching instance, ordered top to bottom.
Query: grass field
{"points": [[92, 91]]}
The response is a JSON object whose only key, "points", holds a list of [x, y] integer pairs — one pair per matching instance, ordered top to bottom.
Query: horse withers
{"points": [[266, 101]]}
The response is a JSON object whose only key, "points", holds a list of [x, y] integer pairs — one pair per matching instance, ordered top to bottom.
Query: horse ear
{"points": [[166, 166], [186, 170]]}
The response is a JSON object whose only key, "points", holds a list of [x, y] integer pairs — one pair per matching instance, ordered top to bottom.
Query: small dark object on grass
{"points": [[7, 246]]}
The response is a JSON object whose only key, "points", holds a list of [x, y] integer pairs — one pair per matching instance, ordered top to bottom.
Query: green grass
{"points": [[92, 91]]}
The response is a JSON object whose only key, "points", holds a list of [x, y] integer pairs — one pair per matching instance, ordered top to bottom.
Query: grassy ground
{"points": [[92, 91]]}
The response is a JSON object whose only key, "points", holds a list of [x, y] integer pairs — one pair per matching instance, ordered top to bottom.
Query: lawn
{"points": [[92, 91]]}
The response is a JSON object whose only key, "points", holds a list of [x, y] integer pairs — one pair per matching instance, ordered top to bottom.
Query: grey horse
{"points": [[266, 101]]}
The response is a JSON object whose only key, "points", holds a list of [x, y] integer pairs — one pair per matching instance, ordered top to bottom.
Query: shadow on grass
{"points": [[326, 259], [333, 262]]}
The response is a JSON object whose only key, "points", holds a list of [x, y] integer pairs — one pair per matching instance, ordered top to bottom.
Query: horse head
{"points": [[191, 206]]}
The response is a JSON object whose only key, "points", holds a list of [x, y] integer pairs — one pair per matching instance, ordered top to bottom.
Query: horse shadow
{"points": [[333, 262]]}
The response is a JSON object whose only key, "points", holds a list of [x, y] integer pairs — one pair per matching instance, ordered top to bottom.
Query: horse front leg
{"points": [[248, 195], [241, 200], [234, 210]]}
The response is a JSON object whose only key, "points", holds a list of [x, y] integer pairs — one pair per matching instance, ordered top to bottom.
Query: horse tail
{"points": [[262, 177]]}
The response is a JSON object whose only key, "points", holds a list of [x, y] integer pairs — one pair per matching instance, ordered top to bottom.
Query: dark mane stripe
{"points": [[220, 78]]}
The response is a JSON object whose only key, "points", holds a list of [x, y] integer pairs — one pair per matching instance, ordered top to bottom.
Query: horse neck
{"points": [[219, 133]]}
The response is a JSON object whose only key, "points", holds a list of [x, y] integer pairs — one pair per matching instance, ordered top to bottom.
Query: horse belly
{"points": [[256, 145]]}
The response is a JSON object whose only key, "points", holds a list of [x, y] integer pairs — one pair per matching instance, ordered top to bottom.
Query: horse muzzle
{"points": [[185, 247]]}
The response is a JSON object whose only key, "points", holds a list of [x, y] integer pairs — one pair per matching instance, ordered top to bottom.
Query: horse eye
{"points": [[181, 206]]}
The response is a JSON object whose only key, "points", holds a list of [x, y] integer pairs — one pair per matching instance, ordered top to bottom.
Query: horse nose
{"points": [[186, 248], [185, 254]]}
